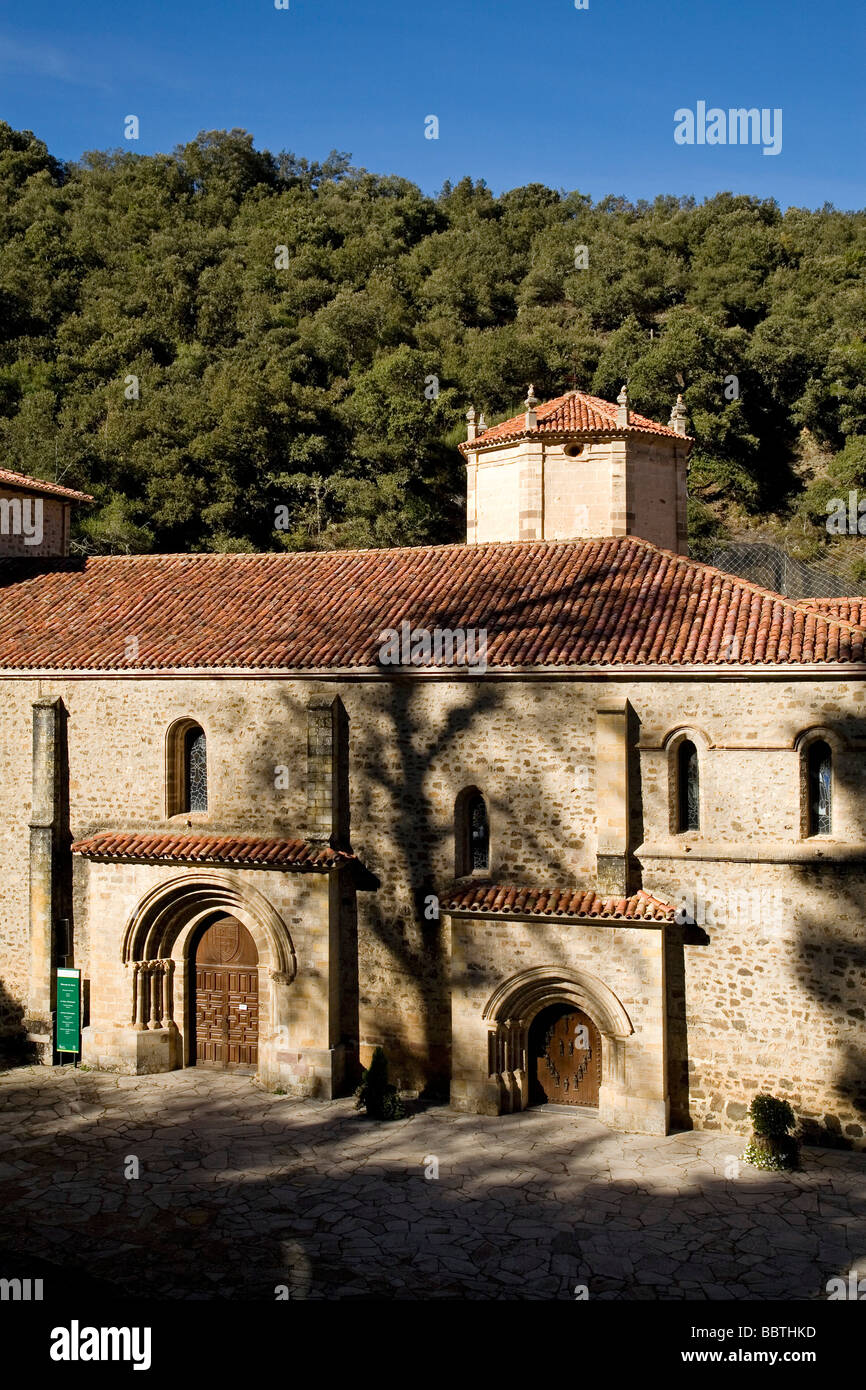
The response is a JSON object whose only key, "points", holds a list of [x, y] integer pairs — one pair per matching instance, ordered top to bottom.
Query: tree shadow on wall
{"points": [[830, 966], [15, 1050]]}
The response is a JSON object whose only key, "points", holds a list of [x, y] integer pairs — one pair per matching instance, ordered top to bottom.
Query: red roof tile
{"points": [[574, 413], [23, 483], [609, 602], [850, 610], [300, 855], [488, 899]]}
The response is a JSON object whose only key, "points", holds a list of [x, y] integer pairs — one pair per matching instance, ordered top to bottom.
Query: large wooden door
{"points": [[226, 996], [565, 1052]]}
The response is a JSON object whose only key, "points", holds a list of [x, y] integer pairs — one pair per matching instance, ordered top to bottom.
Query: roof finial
{"points": [[531, 402], [622, 413], [679, 418], [482, 423], [471, 428]]}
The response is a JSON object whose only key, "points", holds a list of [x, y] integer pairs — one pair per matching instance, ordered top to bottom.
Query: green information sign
{"points": [[68, 1010]]}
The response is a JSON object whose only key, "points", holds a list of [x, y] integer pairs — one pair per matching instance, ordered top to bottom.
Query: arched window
{"points": [[819, 762], [186, 768], [195, 769], [688, 788], [472, 833], [479, 833]]}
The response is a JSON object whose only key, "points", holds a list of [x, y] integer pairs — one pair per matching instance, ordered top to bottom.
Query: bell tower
{"points": [[576, 467]]}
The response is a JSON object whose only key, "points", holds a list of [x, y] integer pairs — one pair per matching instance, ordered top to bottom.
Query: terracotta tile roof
{"points": [[574, 413], [21, 482], [609, 602], [850, 610], [300, 855], [490, 899]]}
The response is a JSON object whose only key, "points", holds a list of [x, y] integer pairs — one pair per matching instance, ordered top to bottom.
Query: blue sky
{"points": [[524, 90]]}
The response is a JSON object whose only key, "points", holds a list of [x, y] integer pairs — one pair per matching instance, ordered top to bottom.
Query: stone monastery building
{"points": [[279, 808]]}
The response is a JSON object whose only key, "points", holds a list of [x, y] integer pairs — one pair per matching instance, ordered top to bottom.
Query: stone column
{"points": [[471, 499], [530, 521], [621, 522], [611, 798], [44, 825], [154, 970], [168, 994], [315, 1055]]}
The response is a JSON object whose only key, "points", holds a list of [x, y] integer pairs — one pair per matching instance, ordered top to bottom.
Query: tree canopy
{"points": [[235, 350]]}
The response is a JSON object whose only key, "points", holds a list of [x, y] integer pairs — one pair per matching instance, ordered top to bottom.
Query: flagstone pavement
{"points": [[243, 1194]]}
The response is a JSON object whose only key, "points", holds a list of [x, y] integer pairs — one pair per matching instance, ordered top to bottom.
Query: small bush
{"points": [[375, 1094], [771, 1116], [771, 1146]]}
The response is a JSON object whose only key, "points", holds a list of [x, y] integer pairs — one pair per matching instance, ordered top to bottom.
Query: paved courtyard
{"points": [[241, 1191]]}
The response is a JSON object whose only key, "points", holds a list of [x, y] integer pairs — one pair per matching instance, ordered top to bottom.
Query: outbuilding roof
{"points": [[22, 482]]}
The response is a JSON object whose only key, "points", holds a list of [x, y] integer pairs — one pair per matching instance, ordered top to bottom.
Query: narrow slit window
{"points": [[820, 767], [195, 770], [688, 788], [476, 834], [479, 834]]}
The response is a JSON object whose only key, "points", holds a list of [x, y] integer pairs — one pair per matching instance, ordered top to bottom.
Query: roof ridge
{"points": [[356, 550], [797, 605]]}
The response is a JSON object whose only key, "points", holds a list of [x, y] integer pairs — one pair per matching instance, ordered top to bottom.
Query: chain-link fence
{"points": [[773, 568]]}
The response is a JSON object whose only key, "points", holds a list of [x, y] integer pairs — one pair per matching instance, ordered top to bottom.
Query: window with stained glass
{"points": [[820, 765], [195, 769], [688, 788], [479, 833]]}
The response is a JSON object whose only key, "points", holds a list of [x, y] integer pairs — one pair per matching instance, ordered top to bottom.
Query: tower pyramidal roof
{"points": [[575, 413]]}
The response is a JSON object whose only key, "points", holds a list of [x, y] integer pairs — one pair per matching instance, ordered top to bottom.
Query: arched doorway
{"points": [[224, 966], [510, 1015], [564, 1057]]}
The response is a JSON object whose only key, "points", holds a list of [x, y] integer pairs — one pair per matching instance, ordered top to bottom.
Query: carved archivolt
{"points": [[179, 904], [524, 995], [512, 1007]]}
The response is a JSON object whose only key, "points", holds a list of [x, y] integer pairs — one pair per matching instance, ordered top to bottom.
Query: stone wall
{"points": [[533, 490], [26, 519], [626, 961], [748, 1007]]}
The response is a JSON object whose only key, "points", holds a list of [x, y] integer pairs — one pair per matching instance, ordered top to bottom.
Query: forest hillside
{"points": [[236, 350]]}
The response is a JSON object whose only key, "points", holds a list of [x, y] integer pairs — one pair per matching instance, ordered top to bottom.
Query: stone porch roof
{"points": [[298, 855], [481, 899]]}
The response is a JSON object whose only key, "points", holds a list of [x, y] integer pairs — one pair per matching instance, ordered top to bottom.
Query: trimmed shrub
{"points": [[375, 1094], [771, 1146]]}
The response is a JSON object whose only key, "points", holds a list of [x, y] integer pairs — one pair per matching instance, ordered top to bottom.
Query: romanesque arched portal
{"points": [[159, 943], [511, 1010]]}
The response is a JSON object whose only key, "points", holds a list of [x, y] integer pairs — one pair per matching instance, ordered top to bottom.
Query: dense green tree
{"points": [[239, 350]]}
